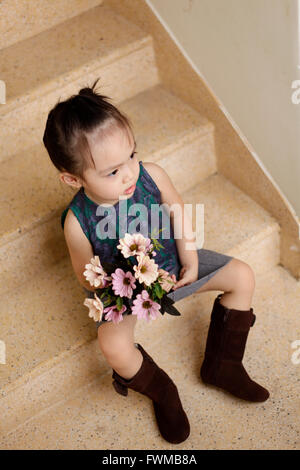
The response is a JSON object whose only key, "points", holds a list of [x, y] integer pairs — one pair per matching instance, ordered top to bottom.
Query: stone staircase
{"points": [[55, 388]]}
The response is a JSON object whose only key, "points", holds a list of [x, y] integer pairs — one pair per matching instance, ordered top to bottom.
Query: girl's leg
{"points": [[237, 281], [228, 332], [116, 341], [134, 368]]}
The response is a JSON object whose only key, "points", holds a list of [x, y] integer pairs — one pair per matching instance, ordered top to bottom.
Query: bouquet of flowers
{"points": [[137, 283]]}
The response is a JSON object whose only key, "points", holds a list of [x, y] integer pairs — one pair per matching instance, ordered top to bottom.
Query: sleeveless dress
{"points": [[103, 225]]}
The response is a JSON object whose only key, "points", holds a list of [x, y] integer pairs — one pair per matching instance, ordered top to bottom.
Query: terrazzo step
{"points": [[23, 19], [72, 54], [166, 131], [234, 222], [49, 337], [95, 417]]}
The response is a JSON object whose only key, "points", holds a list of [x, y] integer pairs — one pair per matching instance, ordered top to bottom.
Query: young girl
{"points": [[92, 145]]}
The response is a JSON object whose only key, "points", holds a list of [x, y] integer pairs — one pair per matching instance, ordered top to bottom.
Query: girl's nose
{"points": [[128, 175]]}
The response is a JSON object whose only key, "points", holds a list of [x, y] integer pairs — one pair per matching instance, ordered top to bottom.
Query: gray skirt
{"points": [[209, 263]]}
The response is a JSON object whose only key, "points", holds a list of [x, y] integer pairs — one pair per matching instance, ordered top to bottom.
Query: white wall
{"points": [[248, 51]]}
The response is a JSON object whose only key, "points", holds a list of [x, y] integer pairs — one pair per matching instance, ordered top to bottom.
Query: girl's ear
{"points": [[71, 180]]}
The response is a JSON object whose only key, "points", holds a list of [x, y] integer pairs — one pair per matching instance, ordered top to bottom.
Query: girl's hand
{"points": [[187, 275]]}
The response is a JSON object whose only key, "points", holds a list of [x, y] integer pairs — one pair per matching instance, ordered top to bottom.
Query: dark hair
{"points": [[68, 124]]}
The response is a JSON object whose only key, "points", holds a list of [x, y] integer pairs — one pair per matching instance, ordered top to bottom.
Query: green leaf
{"points": [[158, 290], [119, 303]]}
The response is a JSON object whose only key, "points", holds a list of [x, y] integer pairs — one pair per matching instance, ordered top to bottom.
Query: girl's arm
{"points": [[169, 196], [79, 248]]}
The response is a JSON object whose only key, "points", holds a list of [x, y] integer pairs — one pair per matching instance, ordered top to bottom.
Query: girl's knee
{"points": [[244, 276], [115, 345]]}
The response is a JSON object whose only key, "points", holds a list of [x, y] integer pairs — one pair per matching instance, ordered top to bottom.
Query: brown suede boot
{"points": [[226, 341], [153, 382]]}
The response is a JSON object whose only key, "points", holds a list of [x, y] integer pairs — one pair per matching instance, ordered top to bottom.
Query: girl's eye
{"points": [[113, 173]]}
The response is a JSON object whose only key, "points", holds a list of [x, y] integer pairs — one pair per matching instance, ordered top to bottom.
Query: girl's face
{"points": [[116, 167]]}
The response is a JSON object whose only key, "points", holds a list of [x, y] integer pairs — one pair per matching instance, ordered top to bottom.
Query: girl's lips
{"points": [[130, 190]]}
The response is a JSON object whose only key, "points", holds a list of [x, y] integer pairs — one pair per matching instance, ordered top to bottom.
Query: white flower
{"points": [[133, 245], [146, 271], [95, 274], [95, 307]]}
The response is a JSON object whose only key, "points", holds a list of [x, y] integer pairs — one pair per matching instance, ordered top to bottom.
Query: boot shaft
{"points": [[228, 331]]}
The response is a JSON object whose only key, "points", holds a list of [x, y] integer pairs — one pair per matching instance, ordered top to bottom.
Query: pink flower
{"points": [[133, 245], [149, 247], [146, 270], [95, 274], [166, 281], [123, 283], [95, 307], [145, 307], [113, 314]]}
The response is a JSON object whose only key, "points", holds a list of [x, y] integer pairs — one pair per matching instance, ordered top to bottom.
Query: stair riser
{"points": [[32, 18], [22, 121], [196, 158], [44, 244], [261, 251], [31, 252], [261, 255], [55, 379], [48, 383]]}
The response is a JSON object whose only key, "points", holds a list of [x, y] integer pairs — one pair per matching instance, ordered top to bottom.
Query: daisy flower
{"points": [[133, 245], [146, 270], [95, 274], [123, 283], [95, 307], [145, 307], [113, 314]]}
